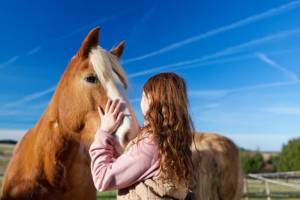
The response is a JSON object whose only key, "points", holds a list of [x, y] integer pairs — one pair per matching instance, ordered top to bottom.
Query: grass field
{"points": [[5, 155], [254, 186], [106, 195]]}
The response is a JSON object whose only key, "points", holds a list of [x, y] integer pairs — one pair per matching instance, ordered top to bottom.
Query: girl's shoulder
{"points": [[145, 137], [142, 139]]}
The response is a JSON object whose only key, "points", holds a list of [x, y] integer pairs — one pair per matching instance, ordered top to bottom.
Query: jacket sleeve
{"points": [[140, 161]]}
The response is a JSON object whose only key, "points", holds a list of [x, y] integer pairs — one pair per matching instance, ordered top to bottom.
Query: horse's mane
{"points": [[104, 63]]}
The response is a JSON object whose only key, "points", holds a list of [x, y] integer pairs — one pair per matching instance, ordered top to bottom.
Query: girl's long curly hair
{"points": [[170, 125]]}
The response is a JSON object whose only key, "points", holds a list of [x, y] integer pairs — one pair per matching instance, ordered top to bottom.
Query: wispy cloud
{"points": [[243, 22], [88, 26], [137, 29], [74, 32], [34, 50], [224, 52], [17, 57], [9, 61], [199, 62], [289, 74], [264, 86], [208, 93], [222, 93], [29, 98], [135, 100], [211, 105], [21, 110], [285, 110]]}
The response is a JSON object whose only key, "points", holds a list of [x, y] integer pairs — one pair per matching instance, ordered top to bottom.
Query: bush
{"points": [[289, 158], [251, 163]]}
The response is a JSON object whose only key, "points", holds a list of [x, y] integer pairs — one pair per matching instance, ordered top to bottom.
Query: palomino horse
{"points": [[51, 161]]}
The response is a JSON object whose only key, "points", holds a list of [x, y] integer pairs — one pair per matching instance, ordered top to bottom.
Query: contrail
{"points": [[248, 20], [82, 28], [34, 50], [224, 52], [233, 59], [9, 61], [179, 65], [289, 74], [265, 86], [208, 93], [222, 93], [29, 98], [287, 110]]}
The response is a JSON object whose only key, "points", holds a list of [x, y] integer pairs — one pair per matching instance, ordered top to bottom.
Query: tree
{"points": [[289, 158], [251, 163]]}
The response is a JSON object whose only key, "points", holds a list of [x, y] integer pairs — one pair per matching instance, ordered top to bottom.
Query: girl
{"points": [[157, 164]]}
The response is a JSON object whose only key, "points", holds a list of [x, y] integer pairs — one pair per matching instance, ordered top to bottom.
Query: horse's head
{"points": [[93, 76]]}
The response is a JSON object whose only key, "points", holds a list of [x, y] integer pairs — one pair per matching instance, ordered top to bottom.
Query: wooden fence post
{"points": [[246, 188], [268, 192]]}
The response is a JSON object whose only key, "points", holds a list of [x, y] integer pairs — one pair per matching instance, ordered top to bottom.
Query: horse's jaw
{"points": [[129, 127], [123, 130]]}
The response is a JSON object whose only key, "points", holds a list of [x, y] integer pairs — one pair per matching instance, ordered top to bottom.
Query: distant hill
{"points": [[12, 142], [254, 151]]}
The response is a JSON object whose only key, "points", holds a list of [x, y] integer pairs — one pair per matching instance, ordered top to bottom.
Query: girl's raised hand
{"points": [[111, 118]]}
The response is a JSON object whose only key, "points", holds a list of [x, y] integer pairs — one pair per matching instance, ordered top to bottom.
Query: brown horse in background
{"points": [[52, 162], [218, 174]]}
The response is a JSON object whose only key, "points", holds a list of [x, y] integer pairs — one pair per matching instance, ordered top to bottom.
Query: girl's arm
{"points": [[139, 162]]}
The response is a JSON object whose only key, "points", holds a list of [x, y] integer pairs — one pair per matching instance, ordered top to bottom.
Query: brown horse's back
{"points": [[218, 174]]}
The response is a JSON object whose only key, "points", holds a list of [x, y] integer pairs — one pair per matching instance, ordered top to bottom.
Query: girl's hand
{"points": [[111, 118]]}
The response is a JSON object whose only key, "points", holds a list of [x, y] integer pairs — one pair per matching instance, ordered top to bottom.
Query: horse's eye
{"points": [[91, 79]]}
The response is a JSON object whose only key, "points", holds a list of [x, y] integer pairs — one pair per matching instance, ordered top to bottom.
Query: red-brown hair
{"points": [[170, 125]]}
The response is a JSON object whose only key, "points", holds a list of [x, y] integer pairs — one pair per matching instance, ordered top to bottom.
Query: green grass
{"points": [[106, 195]]}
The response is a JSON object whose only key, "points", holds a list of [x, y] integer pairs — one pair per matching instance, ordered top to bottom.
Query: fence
{"points": [[289, 180], [287, 185]]}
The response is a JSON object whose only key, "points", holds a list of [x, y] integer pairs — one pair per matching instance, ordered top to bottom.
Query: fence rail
{"points": [[281, 175], [269, 178]]}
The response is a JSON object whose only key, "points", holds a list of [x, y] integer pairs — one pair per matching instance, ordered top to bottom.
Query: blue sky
{"points": [[240, 59]]}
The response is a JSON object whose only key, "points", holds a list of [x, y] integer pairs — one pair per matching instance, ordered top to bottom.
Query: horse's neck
{"points": [[58, 147]]}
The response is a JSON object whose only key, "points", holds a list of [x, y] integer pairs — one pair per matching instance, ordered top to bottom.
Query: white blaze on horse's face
{"points": [[105, 65]]}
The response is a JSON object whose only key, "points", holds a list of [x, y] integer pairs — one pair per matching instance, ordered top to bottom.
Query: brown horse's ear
{"points": [[90, 41], [118, 50]]}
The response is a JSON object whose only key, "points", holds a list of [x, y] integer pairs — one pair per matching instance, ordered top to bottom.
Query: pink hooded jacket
{"points": [[139, 162]]}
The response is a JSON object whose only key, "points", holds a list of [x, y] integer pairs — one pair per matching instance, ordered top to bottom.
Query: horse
{"points": [[51, 161], [217, 168]]}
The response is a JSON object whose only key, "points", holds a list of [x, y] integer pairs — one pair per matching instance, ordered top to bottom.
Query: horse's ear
{"points": [[90, 41], [118, 50]]}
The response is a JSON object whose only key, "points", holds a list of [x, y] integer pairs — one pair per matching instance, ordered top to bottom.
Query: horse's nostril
{"points": [[80, 127], [126, 139]]}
